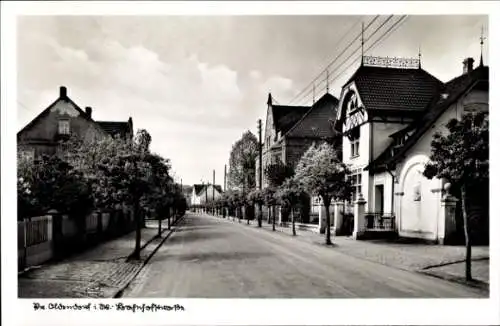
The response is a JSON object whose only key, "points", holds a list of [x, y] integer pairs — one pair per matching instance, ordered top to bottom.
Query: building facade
{"points": [[389, 115], [62, 119], [291, 130]]}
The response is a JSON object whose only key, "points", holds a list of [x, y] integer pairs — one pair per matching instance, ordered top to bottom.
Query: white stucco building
{"points": [[389, 115], [205, 192]]}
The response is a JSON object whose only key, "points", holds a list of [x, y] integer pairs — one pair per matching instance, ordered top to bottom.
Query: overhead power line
{"points": [[377, 42], [352, 53], [338, 56], [335, 59]]}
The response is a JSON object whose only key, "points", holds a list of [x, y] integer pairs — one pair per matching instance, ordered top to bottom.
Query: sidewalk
{"points": [[437, 260], [100, 272]]}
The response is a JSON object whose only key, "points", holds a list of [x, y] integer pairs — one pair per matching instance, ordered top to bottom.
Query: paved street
{"points": [[207, 257]]}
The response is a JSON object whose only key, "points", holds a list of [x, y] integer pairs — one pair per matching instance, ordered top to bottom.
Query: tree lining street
{"points": [[208, 257]]}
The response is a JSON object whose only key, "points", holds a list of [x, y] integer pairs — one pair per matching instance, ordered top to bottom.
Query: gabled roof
{"points": [[385, 88], [454, 89], [46, 110], [285, 116], [317, 122], [111, 127], [115, 128], [199, 188]]}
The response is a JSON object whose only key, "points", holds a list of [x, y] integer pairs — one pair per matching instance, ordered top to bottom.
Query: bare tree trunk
{"points": [[268, 214], [137, 216], [158, 216], [260, 216], [274, 220], [293, 222], [328, 240], [468, 249]]}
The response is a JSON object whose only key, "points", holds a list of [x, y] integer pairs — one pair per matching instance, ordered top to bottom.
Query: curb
{"points": [[454, 262], [475, 283], [119, 292]]}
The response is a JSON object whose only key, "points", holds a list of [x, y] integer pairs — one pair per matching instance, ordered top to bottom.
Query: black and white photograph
{"points": [[317, 154]]}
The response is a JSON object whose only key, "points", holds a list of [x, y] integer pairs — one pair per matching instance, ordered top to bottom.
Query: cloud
{"points": [[191, 108]]}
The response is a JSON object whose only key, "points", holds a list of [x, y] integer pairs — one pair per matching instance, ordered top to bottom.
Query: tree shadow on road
{"points": [[195, 228], [190, 236], [212, 256]]}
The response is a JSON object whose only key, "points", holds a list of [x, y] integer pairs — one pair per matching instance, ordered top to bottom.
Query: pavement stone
{"points": [[407, 256], [99, 272]]}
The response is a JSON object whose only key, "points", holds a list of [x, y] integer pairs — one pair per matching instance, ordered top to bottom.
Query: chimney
{"points": [[468, 65], [63, 92], [88, 111]]}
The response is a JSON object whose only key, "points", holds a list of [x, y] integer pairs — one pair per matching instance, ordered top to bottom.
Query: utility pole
{"points": [[225, 167], [260, 170], [213, 192], [206, 196]]}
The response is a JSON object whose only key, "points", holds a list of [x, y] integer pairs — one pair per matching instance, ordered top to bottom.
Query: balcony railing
{"points": [[377, 221]]}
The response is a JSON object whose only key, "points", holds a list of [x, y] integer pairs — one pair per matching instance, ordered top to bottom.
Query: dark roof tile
{"points": [[383, 88], [454, 89], [285, 116], [318, 121], [115, 128]]}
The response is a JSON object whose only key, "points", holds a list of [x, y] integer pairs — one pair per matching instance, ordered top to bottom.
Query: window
{"points": [[352, 105], [64, 127], [354, 138], [356, 180]]}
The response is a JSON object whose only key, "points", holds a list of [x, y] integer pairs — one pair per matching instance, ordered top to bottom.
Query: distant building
{"points": [[389, 115], [62, 119], [205, 192]]}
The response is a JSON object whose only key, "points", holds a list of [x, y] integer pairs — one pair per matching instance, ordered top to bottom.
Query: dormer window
{"points": [[63, 128]]}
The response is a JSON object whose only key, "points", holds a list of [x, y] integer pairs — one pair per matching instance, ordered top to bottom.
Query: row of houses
{"points": [[382, 126], [45, 134]]}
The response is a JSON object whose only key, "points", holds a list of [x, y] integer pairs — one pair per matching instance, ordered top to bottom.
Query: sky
{"points": [[197, 83]]}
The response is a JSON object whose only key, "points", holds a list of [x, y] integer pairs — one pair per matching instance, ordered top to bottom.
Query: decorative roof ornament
{"points": [[482, 38], [362, 42], [419, 57], [388, 62], [327, 81], [314, 93]]}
